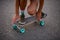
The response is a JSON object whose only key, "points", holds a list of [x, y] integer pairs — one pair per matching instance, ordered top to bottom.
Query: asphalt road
{"points": [[51, 30]]}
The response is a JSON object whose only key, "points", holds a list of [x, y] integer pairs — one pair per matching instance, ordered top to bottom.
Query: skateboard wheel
{"points": [[42, 23], [15, 27], [22, 30]]}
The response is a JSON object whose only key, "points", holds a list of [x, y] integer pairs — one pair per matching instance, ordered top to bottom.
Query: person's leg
{"points": [[23, 4], [32, 8], [39, 12], [16, 16]]}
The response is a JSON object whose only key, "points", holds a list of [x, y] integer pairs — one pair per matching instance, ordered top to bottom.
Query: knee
{"points": [[31, 12]]}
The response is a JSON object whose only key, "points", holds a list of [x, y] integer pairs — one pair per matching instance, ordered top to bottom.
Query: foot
{"points": [[32, 8], [15, 18]]}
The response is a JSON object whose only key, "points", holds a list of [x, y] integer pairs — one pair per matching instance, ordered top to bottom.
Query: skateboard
{"points": [[21, 24]]}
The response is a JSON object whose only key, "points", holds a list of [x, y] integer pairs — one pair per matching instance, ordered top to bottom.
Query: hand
{"points": [[38, 16], [15, 18]]}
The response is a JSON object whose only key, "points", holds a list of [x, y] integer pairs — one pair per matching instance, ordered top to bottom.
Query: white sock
{"points": [[22, 11]]}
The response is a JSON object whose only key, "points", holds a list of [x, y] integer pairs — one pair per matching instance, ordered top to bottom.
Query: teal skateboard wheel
{"points": [[42, 23], [15, 27], [22, 30]]}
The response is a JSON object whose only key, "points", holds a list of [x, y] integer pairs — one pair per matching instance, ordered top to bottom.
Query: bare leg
{"points": [[23, 4], [32, 7], [39, 13], [16, 16]]}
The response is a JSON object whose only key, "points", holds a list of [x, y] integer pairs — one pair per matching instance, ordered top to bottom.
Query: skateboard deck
{"points": [[27, 21]]}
